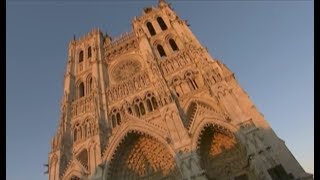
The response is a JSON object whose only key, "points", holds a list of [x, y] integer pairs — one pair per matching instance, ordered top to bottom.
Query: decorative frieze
{"points": [[123, 89], [82, 105]]}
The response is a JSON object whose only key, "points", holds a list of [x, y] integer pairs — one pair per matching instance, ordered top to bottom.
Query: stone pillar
{"points": [[189, 166]]}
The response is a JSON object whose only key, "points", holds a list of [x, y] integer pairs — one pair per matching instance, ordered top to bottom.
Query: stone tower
{"points": [[153, 104]]}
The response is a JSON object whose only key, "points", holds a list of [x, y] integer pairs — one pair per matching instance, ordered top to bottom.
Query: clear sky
{"points": [[267, 44]]}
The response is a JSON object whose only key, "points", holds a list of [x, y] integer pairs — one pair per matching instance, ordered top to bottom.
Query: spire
{"points": [[162, 3]]}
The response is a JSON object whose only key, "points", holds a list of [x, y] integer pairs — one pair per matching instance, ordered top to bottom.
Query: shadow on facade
{"points": [[215, 153]]}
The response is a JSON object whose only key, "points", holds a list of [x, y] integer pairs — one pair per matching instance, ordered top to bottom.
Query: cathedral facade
{"points": [[153, 104]]}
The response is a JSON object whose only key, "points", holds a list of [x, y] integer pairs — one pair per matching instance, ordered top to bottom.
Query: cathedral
{"points": [[154, 104]]}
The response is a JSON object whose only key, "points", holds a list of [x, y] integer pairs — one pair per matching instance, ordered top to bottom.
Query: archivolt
{"points": [[204, 101], [138, 126], [198, 128], [221, 153], [140, 155], [73, 174]]}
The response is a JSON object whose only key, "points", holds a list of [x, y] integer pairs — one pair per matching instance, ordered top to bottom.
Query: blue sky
{"points": [[267, 44]]}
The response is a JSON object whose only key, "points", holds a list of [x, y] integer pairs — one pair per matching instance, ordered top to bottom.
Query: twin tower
{"points": [[153, 104]]}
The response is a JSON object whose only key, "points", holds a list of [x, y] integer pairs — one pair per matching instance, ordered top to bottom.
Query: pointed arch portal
{"points": [[221, 155], [140, 156]]}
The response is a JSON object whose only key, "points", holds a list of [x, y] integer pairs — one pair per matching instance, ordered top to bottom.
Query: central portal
{"points": [[140, 156]]}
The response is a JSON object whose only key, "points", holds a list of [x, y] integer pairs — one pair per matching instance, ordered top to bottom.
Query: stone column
{"points": [[189, 166]]}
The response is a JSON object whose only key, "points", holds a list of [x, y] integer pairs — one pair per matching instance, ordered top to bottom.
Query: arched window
{"points": [[162, 24], [151, 29], [173, 45], [161, 51], [89, 52], [80, 56], [191, 81], [89, 85], [81, 90], [151, 102], [154, 103], [149, 105], [139, 108], [136, 109], [142, 109], [129, 110], [116, 117], [114, 124], [88, 128], [84, 130], [79, 133], [75, 134], [75, 178]]}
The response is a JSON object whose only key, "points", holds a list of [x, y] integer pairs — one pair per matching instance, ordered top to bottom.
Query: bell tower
{"points": [[83, 124]]}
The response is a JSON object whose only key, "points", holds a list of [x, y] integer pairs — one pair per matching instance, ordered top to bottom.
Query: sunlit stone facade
{"points": [[154, 104]]}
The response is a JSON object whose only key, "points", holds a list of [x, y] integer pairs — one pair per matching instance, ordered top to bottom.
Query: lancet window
{"points": [[161, 23], [151, 29], [173, 45], [161, 51], [89, 52], [80, 56], [191, 80], [89, 85], [81, 90], [151, 102], [139, 107], [115, 117], [77, 134], [75, 178]]}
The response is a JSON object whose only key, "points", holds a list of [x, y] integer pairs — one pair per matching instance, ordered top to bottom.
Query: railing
{"points": [[122, 38], [171, 64], [128, 87], [82, 105]]}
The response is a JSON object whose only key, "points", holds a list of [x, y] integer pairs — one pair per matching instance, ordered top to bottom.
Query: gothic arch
{"points": [[161, 23], [150, 28], [170, 36], [175, 39], [157, 42], [161, 51], [89, 52], [80, 56], [89, 83], [81, 90], [151, 101], [206, 101], [115, 116], [136, 126], [197, 129], [220, 150], [141, 155], [83, 157], [74, 173]]}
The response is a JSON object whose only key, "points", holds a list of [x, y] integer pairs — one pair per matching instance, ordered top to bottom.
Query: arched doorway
{"points": [[221, 155], [140, 156]]}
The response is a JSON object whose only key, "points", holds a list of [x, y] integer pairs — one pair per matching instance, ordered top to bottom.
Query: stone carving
{"points": [[170, 65], [125, 70], [129, 86], [107, 103], [145, 158]]}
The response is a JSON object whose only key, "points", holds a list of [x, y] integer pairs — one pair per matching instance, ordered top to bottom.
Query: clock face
{"points": [[126, 69]]}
